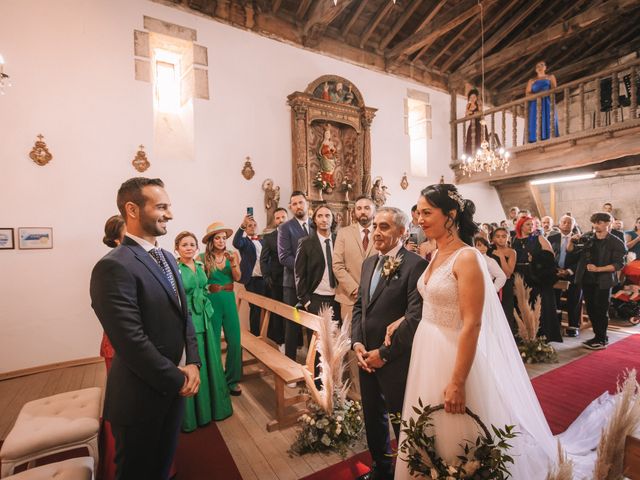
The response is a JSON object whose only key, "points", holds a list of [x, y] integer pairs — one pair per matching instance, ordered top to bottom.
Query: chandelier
{"points": [[4, 78], [486, 158]]}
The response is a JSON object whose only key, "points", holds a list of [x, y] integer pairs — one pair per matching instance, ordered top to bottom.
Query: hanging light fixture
{"points": [[4, 78], [486, 158]]}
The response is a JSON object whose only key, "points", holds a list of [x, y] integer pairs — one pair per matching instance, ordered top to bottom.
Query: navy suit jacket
{"points": [[289, 235], [248, 255], [393, 298], [148, 328]]}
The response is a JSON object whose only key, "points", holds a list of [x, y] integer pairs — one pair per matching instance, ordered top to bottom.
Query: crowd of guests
{"points": [[307, 262]]}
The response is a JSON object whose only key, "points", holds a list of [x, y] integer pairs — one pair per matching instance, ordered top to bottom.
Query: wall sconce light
{"points": [[4, 78]]}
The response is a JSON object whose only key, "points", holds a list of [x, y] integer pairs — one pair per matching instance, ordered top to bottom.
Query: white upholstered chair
{"points": [[53, 424], [73, 469]]}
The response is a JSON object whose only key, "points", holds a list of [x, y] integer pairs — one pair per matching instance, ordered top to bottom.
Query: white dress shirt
{"points": [[324, 288]]}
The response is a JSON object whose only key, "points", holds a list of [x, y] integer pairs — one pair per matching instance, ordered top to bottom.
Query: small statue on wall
{"points": [[328, 158], [379, 192], [271, 201]]}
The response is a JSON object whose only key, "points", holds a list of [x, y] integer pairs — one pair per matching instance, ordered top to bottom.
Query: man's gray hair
{"points": [[399, 217], [573, 220]]}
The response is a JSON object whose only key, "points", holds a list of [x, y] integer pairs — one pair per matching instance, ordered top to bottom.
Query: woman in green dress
{"points": [[223, 268], [212, 401]]}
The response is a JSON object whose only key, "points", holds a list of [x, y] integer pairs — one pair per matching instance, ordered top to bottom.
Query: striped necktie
{"points": [[158, 256]]}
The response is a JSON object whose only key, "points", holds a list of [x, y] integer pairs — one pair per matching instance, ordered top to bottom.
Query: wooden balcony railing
{"points": [[580, 105]]}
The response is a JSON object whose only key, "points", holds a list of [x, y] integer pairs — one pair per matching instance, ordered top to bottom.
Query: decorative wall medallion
{"points": [[40, 152], [141, 163], [247, 171], [404, 183]]}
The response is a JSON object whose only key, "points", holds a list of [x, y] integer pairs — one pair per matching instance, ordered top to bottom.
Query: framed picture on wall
{"points": [[31, 238], [6, 239]]}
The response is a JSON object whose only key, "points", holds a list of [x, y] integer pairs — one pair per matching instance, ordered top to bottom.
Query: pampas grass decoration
{"points": [[529, 318], [333, 345], [624, 421], [564, 469]]}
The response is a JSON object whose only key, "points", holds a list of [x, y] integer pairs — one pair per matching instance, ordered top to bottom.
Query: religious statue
{"points": [[327, 158], [379, 192], [271, 201]]}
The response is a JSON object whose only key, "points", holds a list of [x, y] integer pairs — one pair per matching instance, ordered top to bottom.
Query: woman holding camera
{"points": [[223, 268]]}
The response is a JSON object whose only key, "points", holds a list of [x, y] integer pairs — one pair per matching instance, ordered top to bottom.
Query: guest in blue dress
{"points": [[541, 83]]}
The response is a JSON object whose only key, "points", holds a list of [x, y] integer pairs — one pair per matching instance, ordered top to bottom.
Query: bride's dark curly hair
{"points": [[445, 196]]}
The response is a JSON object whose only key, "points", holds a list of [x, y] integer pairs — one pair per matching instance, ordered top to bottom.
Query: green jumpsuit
{"points": [[225, 317], [212, 400]]}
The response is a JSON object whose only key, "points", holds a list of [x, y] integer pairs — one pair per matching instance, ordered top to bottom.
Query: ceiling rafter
{"points": [[275, 6], [303, 7], [382, 12], [322, 14], [406, 14], [354, 16], [448, 21], [557, 32], [477, 37], [444, 49]]}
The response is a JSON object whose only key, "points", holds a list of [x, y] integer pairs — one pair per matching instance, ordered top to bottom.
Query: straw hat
{"points": [[216, 227]]}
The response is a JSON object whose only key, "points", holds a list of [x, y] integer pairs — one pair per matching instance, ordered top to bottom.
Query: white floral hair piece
{"points": [[458, 198]]}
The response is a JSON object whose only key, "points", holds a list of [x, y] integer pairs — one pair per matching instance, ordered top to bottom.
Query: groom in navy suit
{"points": [[289, 235], [137, 294], [388, 294]]}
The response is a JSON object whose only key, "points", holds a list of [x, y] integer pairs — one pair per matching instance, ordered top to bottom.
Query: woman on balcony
{"points": [[541, 83], [473, 137]]}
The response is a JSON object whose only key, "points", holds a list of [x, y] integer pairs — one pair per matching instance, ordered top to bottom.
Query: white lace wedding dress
{"points": [[498, 388]]}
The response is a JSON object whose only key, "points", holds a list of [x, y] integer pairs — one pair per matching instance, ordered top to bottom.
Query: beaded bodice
{"points": [[440, 294]]}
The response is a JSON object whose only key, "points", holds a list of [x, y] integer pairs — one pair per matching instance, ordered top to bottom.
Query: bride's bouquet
{"points": [[533, 349], [333, 423], [484, 458]]}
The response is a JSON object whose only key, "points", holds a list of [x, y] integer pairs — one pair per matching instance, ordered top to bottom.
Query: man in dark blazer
{"points": [[289, 234], [250, 247], [601, 257], [567, 263], [272, 272], [315, 281], [137, 294], [386, 295]]}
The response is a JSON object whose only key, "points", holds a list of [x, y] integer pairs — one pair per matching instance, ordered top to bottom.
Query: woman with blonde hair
{"points": [[223, 268]]}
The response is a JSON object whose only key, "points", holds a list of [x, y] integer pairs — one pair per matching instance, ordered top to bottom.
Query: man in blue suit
{"points": [[289, 235], [250, 248], [139, 299]]}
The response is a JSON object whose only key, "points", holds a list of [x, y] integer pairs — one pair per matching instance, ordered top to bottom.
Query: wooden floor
{"points": [[258, 454]]}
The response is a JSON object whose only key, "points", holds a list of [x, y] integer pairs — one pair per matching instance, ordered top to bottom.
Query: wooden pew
{"points": [[266, 353], [631, 460]]}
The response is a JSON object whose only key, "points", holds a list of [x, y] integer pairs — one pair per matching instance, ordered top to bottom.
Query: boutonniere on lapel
{"points": [[390, 267]]}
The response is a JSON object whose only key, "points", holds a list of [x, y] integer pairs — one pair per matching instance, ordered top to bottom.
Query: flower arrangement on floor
{"points": [[324, 182], [533, 349], [624, 420], [333, 423], [485, 458], [564, 469]]}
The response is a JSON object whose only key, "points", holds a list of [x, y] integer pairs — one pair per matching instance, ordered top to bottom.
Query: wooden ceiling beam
{"points": [[275, 6], [303, 7], [382, 12], [322, 14], [455, 16], [354, 17], [399, 24], [503, 31], [557, 32], [476, 39], [444, 49]]}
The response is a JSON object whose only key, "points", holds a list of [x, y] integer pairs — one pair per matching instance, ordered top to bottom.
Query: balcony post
{"points": [[598, 93], [634, 93], [615, 96], [567, 111], [538, 119], [514, 123], [454, 127], [504, 128]]}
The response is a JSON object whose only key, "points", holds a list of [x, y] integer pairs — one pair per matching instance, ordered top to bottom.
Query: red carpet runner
{"points": [[563, 394]]}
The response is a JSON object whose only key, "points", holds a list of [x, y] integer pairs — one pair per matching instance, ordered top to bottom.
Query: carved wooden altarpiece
{"points": [[331, 132]]}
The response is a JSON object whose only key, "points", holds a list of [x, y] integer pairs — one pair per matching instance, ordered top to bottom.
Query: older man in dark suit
{"points": [[289, 234], [273, 272], [387, 295], [139, 299]]}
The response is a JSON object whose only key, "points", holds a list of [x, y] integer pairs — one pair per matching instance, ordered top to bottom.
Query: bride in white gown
{"points": [[464, 353]]}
